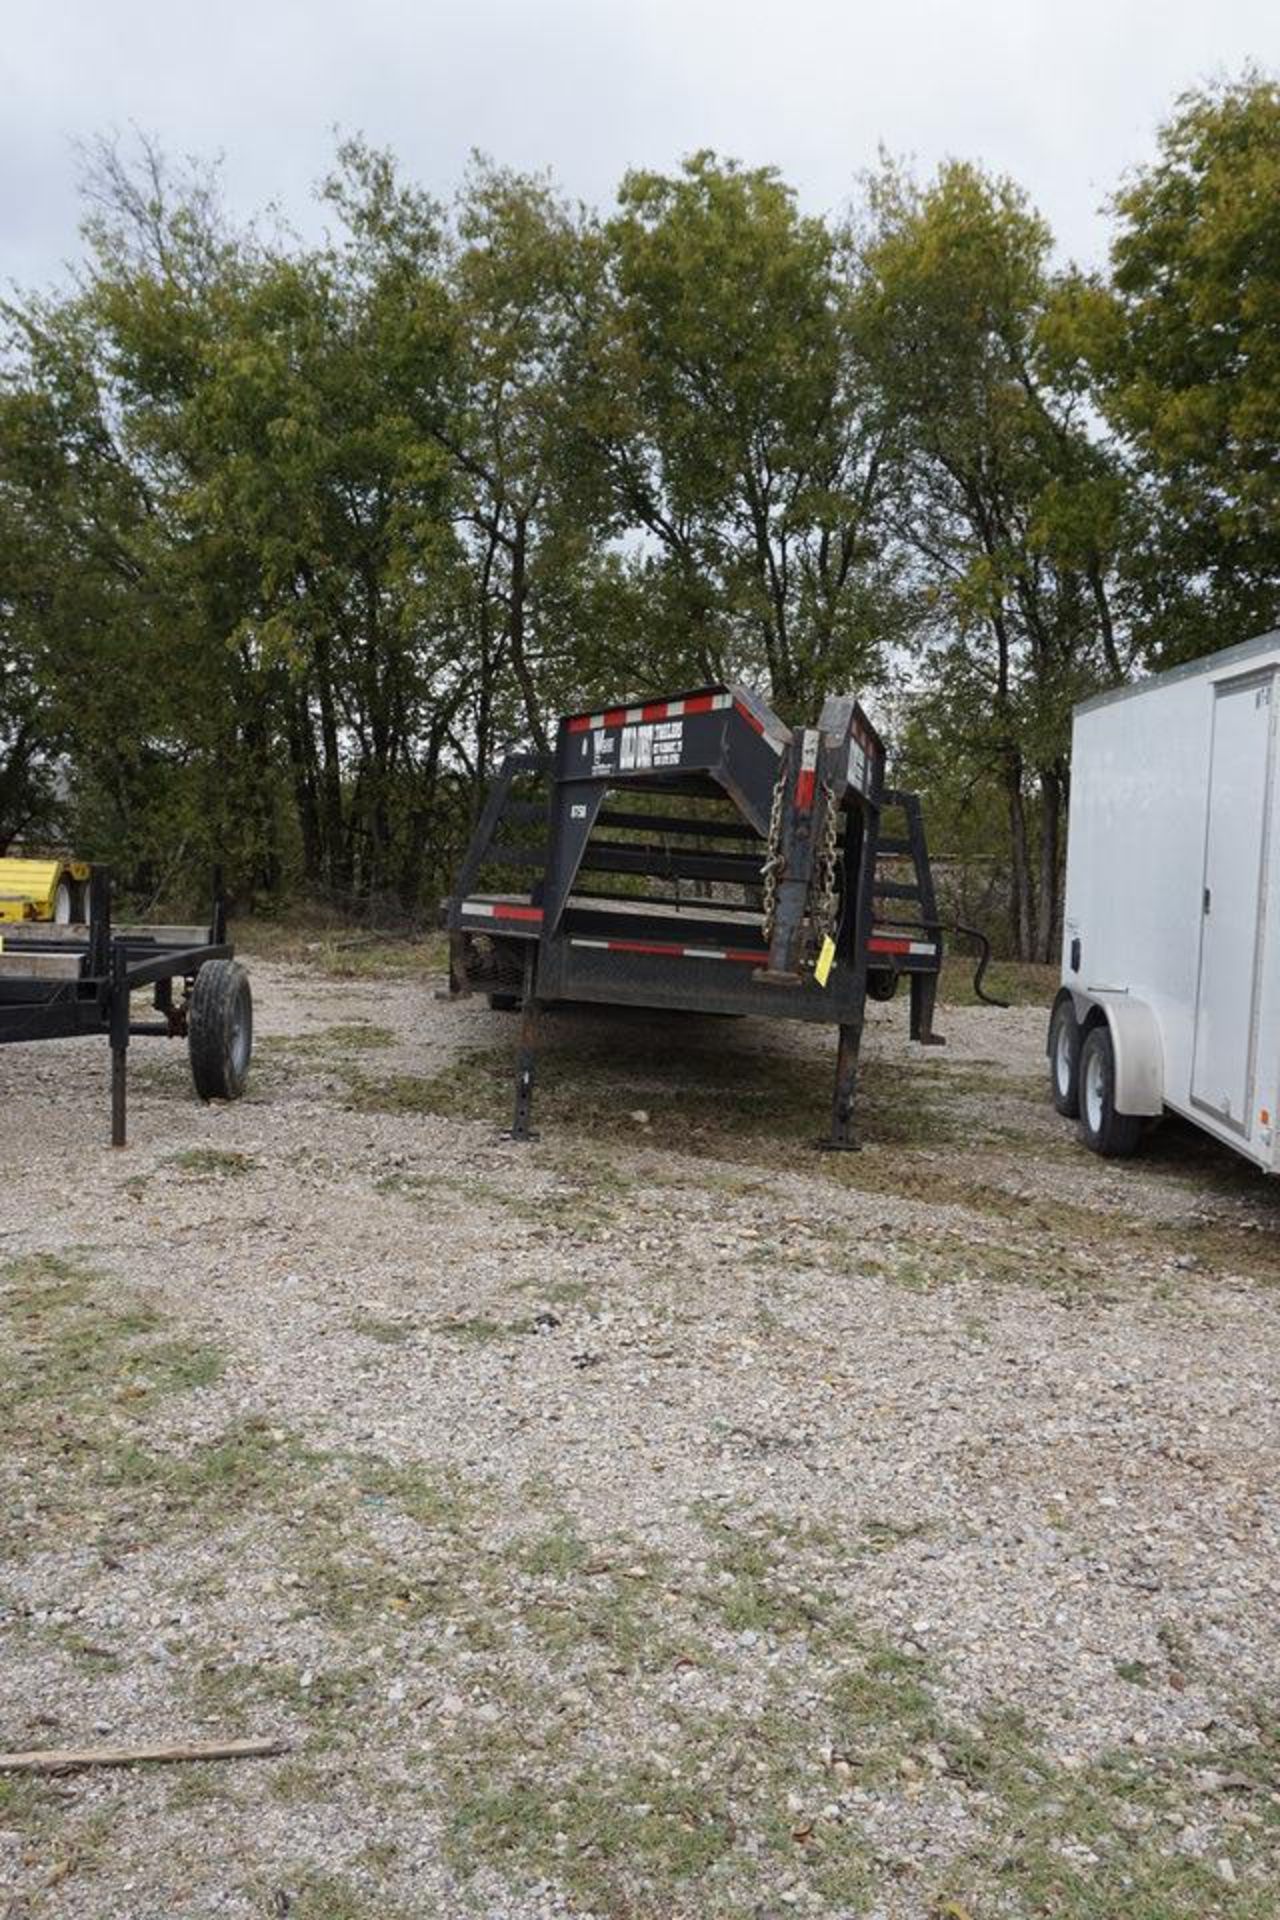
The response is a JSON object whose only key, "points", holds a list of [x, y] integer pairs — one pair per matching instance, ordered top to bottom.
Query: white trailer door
{"points": [[1231, 924]]}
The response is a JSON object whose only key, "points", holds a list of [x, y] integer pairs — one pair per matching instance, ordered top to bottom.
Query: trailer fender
{"points": [[1136, 1044]]}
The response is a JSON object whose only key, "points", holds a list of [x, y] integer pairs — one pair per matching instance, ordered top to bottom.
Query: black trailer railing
{"points": [[694, 853]]}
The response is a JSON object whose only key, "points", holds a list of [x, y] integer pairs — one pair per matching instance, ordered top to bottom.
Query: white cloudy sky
{"points": [[1064, 94]]}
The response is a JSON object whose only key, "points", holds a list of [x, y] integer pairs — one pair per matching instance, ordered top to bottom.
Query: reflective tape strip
{"points": [[655, 710], [758, 726], [807, 776], [499, 910], [886, 943], [671, 950]]}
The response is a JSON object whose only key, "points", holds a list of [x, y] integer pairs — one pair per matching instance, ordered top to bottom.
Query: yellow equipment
{"points": [[56, 890]]}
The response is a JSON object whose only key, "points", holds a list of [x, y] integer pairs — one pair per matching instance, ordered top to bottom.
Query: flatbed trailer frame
{"points": [[820, 915], [60, 981]]}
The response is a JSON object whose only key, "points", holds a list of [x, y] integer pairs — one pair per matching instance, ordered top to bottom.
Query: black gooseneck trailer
{"points": [[694, 853], [59, 981]]}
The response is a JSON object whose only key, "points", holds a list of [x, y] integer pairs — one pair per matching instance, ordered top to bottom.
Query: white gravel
{"points": [[1041, 1387]]}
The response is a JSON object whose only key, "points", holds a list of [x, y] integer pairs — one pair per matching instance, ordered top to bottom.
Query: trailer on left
{"points": [[61, 980]]}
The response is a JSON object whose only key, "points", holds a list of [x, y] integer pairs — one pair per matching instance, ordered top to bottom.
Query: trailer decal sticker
{"points": [[656, 745]]}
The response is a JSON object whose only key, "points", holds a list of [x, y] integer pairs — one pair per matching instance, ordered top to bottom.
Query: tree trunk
{"points": [[519, 661], [1050, 844], [1021, 905]]}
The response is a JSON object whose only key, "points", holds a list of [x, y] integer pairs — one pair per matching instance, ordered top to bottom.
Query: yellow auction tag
{"points": [[823, 964]]}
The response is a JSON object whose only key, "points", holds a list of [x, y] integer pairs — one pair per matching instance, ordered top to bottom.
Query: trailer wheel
{"points": [[882, 983], [505, 1002], [220, 1030], [1064, 1059], [1114, 1135]]}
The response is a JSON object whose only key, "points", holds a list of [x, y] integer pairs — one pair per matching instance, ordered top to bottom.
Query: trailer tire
{"points": [[882, 983], [505, 1002], [220, 1030], [1064, 1059], [1114, 1135]]}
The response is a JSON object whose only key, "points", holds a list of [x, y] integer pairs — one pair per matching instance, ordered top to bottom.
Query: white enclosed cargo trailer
{"points": [[1170, 995]]}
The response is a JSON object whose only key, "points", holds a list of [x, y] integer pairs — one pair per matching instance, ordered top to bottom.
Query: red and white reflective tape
{"points": [[655, 710], [806, 778], [499, 910], [890, 943], [674, 950]]}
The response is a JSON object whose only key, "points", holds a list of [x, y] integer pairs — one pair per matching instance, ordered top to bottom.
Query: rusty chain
{"points": [[773, 863]]}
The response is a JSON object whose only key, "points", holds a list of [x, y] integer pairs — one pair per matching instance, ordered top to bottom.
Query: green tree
{"points": [[525, 279], [1185, 343], [728, 405], [225, 452], [1010, 507]]}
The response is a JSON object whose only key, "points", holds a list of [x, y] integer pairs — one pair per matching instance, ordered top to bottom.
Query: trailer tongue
{"points": [[750, 878]]}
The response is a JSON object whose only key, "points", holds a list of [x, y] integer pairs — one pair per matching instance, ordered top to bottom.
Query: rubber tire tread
{"points": [[221, 991], [1067, 1104], [1118, 1134]]}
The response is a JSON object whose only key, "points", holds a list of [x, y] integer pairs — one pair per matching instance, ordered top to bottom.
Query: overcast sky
{"points": [[1063, 94]]}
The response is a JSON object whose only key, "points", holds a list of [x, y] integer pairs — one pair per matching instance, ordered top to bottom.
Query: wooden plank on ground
{"points": [[72, 1759]]}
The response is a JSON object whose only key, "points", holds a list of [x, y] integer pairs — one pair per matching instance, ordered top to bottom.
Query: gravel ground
{"points": [[662, 1519]]}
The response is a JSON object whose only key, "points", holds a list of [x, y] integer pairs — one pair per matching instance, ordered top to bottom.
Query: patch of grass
{"points": [[344, 951], [1022, 983], [340, 1040], [393, 1093], [720, 1100], [213, 1163], [404, 1184], [480, 1330], [388, 1333], [76, 1352], [252, 1465], [433, 1497], [765, 1579], [1136, 1673], [696, 1822], [1102, 1839], [324, 1896]]}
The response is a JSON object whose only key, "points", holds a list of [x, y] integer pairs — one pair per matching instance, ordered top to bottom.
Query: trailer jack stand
{"points": [[924, 997], [526, 1059], [842, 1138]]}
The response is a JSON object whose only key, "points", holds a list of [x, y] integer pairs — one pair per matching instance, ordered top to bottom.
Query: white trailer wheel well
{"points": [[1135, 1046]]}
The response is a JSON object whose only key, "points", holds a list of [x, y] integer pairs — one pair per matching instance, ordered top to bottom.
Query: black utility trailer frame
{"points": [[747, 874], [60, 981]]}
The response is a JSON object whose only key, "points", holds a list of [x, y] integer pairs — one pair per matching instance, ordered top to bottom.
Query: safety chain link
{"points": [[772, 864], [827, 899]]}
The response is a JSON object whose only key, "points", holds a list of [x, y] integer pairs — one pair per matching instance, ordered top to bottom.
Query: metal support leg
{"points": [[924, 998], [119, 1030], [526, 1057], [842, 1138]]}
